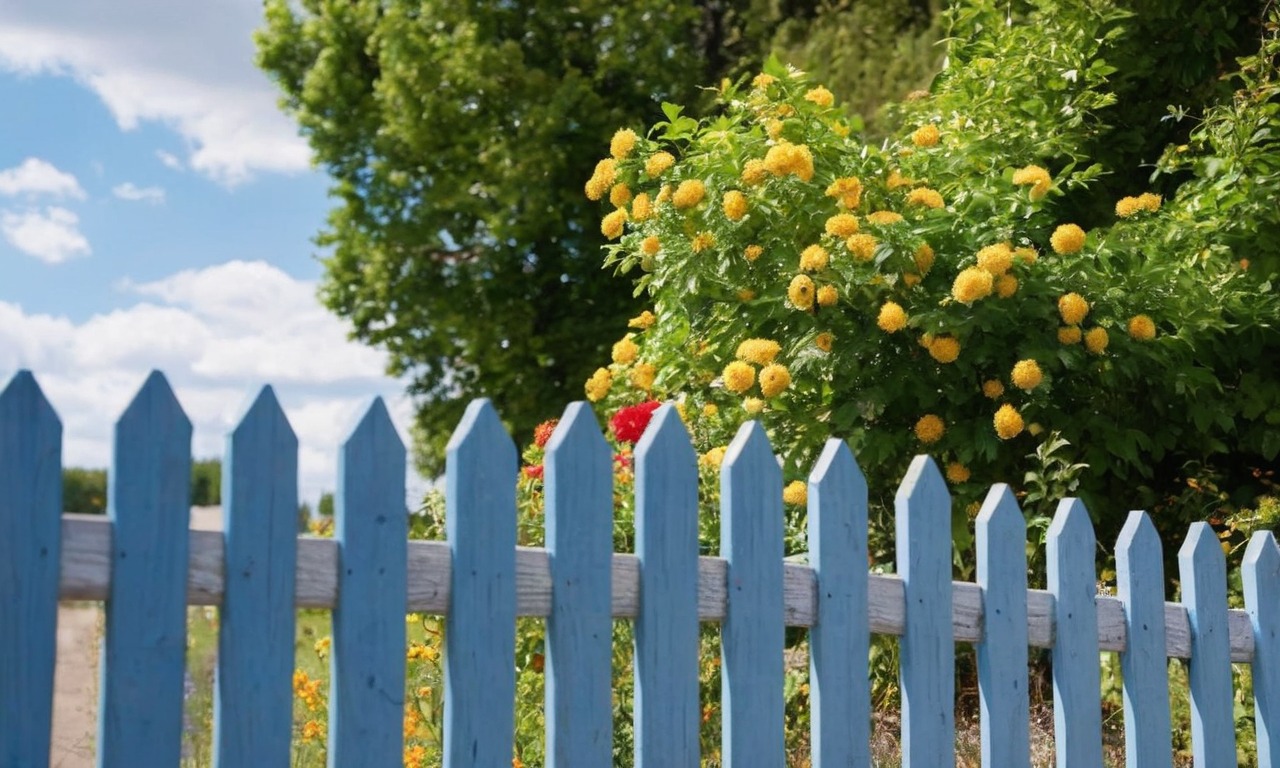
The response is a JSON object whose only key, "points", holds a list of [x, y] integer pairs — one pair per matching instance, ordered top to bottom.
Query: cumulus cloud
{"points": [[186, 65], [169, 160], [38, 177], [132, 192], [52, 236], [219, 334]]}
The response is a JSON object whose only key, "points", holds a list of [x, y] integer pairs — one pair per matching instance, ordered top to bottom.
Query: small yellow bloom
{"points": [[763, 81], [820, 96], [926, 136], [622, 143], [786, 158], [658, 163], [754, 172], [1035, 176], [602, 179], [897, 181], [847, 191], [689, 193], [620, 195], [664, 195], [929, 198], [1150, 201], [735, 205], [641, 207], [1127, 207], [884, 218], [611, 224], [842, 225], [1067, 239], [703, 241], [650, 245], [862, 246], [752, 252], [1028, 255], [923, 257], [814, 259], [996, 259], [910, 279], [972, 284], [1006, 286], [801, 291], [746, 294], [828, 296], [1073, 308], [892, 317], [644, 320], [1142, 328], [1069, 334], [1096, 340], [823, 341], [945, 349], [625, 351], [758, 351], [1026, 375], [642, 376], [738, 377], [774, 379], [598, 385], [992, 388], [753, 405], [709, 410], [1008, 422], [929, 429], [713, 458], [957, 473], [796, 493], [322, 646], [424, 691], [312, 730]]}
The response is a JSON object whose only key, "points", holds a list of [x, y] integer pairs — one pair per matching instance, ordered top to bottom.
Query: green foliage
{"points": [[206, 483], [84, 491]]}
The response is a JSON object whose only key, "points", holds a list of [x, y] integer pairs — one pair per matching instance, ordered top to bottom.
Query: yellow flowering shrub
{"points": [[689, 193], [734, 205], [1067, 239], [814, 259], [892, 317], [1142, 328], [758, 351], [1026, 375], [774, 380], [929, 429]]}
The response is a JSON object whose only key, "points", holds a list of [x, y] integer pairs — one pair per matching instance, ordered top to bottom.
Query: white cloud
{"points": [[187, 65], [170, 160], [37, 177], [132, 192], [53, 236], [219, 334]]}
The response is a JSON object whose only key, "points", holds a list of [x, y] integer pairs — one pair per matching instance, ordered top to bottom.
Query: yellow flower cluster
{"points": [[820, 96], [926, 136], [622, 143], [786, 158], [658, 163], [754, 172], [1035, 176], [602, 179], [897, 181], [847, 191], [689, 193], [620, 195], [929, 198], [735, 205], [641, 207], [1127, 207], [884, 218], [611, 224], [842, 225], [1067, 239], [702, 241], [650, 245], [862, 246], [752, 252], [814, 258], [923, 258], [996, 259], [971, 284], [1006, 286], [801, 291], [828, 296], [1072, 307], [892, 317], [644, 320], [1142, 328], [1069, 334], [1096, 340], [824, 341], [944, 349], [625, 351], [758, 351], [1026, 375], [642, 376], [738, 377], [774, 379], [598, 385], [992, 388], [753, 405], [1008, 422], [929, 429], [713, 458], [957, 473], [796, 493], [422, 651], [307, 690], [313, 730], [415, 756]]}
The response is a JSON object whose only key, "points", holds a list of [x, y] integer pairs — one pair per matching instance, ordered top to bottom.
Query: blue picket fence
{"points": [[148, 587]]}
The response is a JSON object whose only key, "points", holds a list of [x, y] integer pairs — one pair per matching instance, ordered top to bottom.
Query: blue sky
{"points": [[157, 211]]}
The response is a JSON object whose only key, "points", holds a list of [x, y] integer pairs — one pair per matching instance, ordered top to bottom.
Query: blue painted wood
{"points": [[480, 520], [922, 527], [579, 536], [30, 548], [1203, 571], [1261, 574], [752, 632], [839, 643], [144, 648], [1002, 655], [366, 661], [1144, 665], [1077, 676], [252, 699], [666, 705]]}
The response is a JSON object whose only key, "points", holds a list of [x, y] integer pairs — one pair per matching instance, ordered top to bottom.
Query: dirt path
{"points": [[75, 686]]}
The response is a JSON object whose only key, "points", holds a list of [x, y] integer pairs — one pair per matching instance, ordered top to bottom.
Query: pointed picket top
{"points": [[155, 400], [265, 413], [375, 427], [479, 429], [577, 444], [749, 448], [1001, 517], [922, 528], [30, 548], [1202, 569], [1261, 573], [1072, 577], [839, 642], [1144, 666], [667, 713]]}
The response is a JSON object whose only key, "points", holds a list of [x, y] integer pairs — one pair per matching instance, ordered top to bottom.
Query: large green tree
{"points": [[459, 135]]}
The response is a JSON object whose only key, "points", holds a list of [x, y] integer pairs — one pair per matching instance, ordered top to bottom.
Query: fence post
{"points": [[480, 520], [922, 528], [579, 534], [30, 548], [1203, 571], [1261, 572], [666, 629], [752, 633], [839, 643], [145, 645], [1002, 653], [367, 658], [1144, 663], [252, 698]]}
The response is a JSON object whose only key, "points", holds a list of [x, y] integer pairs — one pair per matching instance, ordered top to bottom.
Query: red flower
{"points": [[629, 423], [542, 433], [534, 472]]}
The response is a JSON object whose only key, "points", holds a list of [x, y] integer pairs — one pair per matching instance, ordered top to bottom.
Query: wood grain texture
{"points": [[480, 520], [922, 527], [30, 548], [1202, 570], [1261, 574], [1072, 580], [752, 631], [840, 638], [579, 641], [145, 644], [367, 658], [1144, 666], [253, 694], [1003, 701], [666, 707]]}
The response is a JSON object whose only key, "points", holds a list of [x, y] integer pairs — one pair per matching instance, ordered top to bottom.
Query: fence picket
{"points": [[480, 520], [922, 529], [579, 536], [30, 548], [1203, 572], [1261, 573], [666, 629], [752, 632], [839, 643], [145, 645], [1002, 655], [367, 657], [1143, 664], [1077, 676], [252, 704]]}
